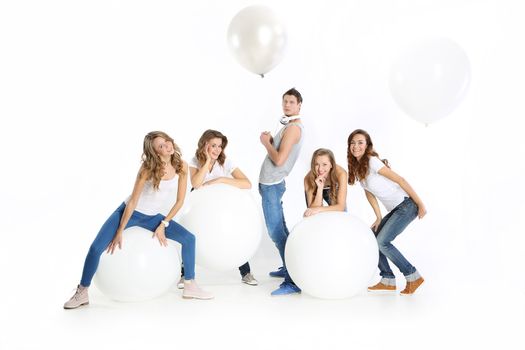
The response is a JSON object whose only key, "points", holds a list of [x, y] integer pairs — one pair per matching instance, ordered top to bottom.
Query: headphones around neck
{"points": [[285, 120]]}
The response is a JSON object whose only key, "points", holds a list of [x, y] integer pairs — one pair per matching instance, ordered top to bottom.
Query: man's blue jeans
{"points": [[272, 205], [390, 227], [174, 231]]}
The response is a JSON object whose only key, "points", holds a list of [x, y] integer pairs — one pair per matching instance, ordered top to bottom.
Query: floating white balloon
{"points": [[257, 39], [430, 79], [227, 225], [331, 255], [141, 270]]}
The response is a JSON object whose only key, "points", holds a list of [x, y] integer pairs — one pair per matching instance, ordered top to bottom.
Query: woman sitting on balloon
{"points": [[210, 166], [161, 179], [325, 181], [398, 197]]}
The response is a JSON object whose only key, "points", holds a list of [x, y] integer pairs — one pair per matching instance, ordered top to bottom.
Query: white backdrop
{"points": [[81, 83]]}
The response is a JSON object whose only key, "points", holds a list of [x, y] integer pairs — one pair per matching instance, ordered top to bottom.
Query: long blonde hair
{"points": [[151, 162], [312, 175]]}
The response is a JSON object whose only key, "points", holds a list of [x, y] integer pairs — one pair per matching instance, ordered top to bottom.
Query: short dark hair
{"points": [[294, 92]]}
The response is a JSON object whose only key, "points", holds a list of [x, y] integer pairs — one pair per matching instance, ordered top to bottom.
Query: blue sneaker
{"points": [[279, 273], [286, 288]]}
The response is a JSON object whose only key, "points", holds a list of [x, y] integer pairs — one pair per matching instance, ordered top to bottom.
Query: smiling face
{"points": [[290, 105], [358, 146], [215, 147], [164, 148], [322, 166]]}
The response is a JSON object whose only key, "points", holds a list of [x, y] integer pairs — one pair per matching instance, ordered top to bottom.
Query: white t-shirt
{"points": [[218, 170], [387, 191], [153, 202]]}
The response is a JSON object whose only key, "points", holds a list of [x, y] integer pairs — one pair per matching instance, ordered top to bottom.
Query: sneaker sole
{"points": [[250, 284], [382, 291], [193, 297], [76, 307]]}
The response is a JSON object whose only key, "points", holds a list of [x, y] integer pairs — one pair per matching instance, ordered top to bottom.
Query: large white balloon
{"points": [[257, 39], [430, 79], [227, 225], [331, 255], [141, 270]]}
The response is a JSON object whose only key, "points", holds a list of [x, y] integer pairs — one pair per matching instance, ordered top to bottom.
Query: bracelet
{"points": [[165, 223]]}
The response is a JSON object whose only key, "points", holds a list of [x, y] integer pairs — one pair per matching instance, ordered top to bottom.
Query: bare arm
{"points": [[291, 136], [197, 175], [391, 175], [342, 179], [239, 180], [181, 193], [311, 200], [375, 206], [128, 211], [160, 231]]}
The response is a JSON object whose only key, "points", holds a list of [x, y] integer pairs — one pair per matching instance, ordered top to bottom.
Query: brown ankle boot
{"points": [[412, 286]]}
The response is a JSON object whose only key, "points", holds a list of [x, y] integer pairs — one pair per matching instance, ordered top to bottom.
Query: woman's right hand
{"points": [[207, 152], [319, 181], [116, 241]]}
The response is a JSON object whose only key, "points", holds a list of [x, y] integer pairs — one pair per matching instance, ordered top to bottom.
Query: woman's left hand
{"points": [[311, 211], [422, 211], [161, 235]]}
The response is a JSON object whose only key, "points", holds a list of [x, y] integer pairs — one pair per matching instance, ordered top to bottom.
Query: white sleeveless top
{"points": [[153, 202]]}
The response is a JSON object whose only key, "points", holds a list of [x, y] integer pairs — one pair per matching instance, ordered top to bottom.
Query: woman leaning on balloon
{"points": [[211, 166], [161, 179], [325, 181], [398, 197]]}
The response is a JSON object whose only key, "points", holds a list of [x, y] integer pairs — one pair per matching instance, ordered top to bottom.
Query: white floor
{"points": [[443, 314]]}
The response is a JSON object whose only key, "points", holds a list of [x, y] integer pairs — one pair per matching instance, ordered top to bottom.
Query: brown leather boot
{"points": [[412, 286]]}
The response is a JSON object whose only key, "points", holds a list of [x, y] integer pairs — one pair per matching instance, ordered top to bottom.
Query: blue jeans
{"points": [[272, 205], [390, 227], [174, 232]]}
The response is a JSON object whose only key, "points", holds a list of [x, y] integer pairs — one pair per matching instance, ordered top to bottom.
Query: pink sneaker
{"points": [[193, 291], [78, 299]]}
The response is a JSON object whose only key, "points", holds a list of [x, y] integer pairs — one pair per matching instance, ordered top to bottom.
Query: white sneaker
{"points": [[249, 279], [180, 284]]}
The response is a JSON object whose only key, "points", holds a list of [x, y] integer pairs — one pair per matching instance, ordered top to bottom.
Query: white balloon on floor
{"points": [[257, 39], [430, 79], [227, 224], [331, 255], [141, 270]]}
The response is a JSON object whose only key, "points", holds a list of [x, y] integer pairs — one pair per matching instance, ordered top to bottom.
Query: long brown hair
{"points": [[209, 134], [151, 162], [357, 170], [312, 175]]}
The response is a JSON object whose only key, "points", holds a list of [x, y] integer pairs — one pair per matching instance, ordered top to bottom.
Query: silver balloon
{"points": [[257, 39]]}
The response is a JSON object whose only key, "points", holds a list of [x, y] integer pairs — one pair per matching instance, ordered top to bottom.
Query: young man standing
{"points": [[282, 153]]}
